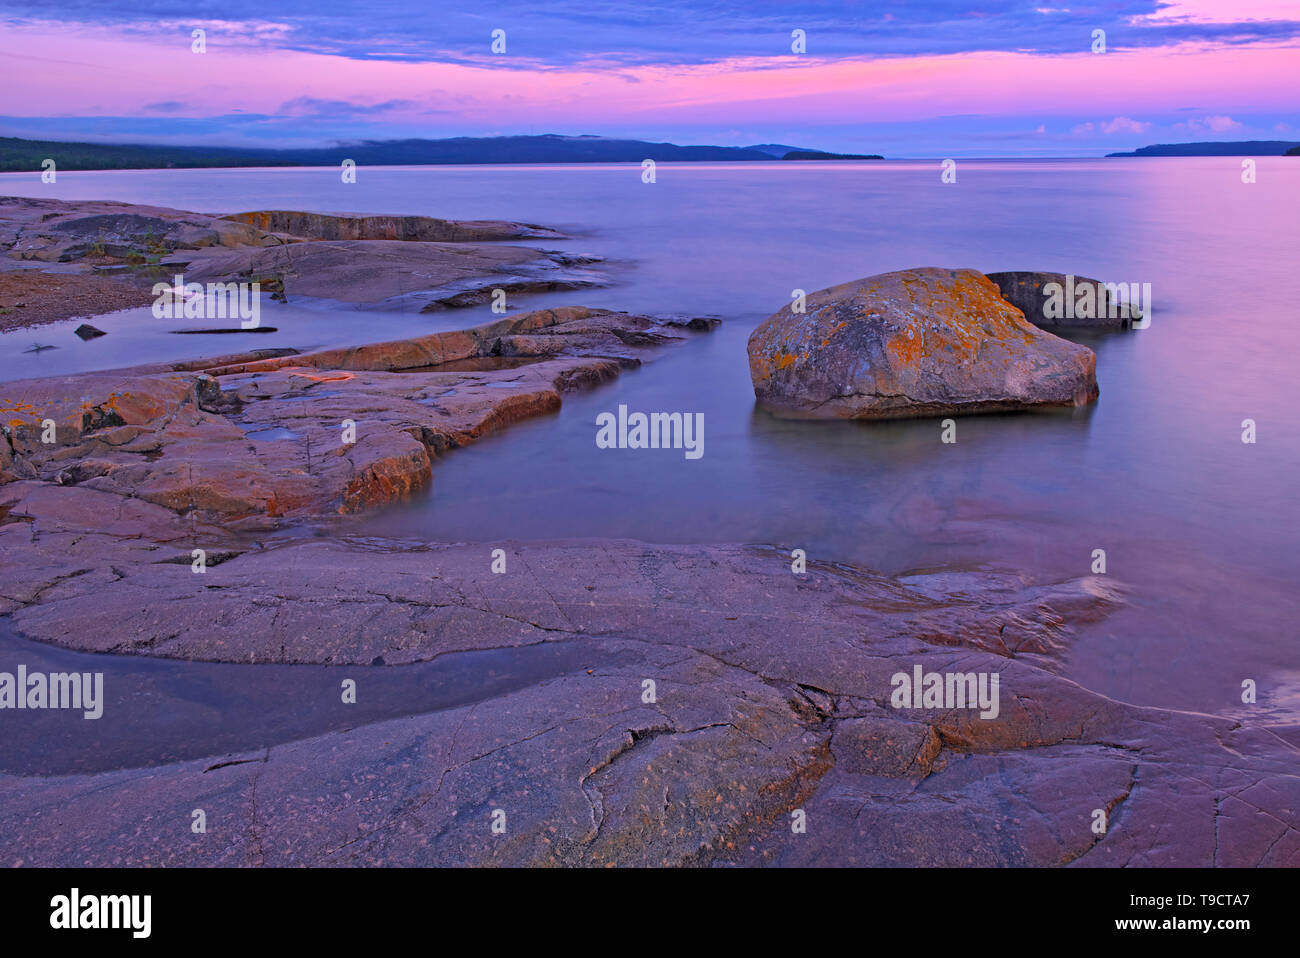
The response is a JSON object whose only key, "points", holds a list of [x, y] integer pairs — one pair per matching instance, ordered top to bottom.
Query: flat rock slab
{"points": [[383, 273], [920, 342], [772, 696]]}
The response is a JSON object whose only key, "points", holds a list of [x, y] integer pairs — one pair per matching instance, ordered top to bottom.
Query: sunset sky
{"points": [[943, 78]]}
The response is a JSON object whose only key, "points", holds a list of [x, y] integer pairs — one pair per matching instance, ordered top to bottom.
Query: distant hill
{"points": [[547, 148], [1237, 148], [775, 150], [1294, 151], [781, 152], [20, 154], [17, 155], [819, 155]]}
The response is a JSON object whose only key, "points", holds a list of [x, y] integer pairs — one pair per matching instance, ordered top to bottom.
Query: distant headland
{"points": [[1231, 148], [23, 155]]}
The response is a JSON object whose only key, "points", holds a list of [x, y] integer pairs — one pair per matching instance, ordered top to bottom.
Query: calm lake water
{"points": [[1200, 527]]}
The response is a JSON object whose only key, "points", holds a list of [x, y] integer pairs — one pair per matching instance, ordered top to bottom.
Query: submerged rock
{"points": [[919, 342]]}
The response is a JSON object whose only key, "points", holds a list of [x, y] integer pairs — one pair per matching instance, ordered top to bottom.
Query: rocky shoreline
{"points": [[111, 254], [253, 436], [603, 702]]}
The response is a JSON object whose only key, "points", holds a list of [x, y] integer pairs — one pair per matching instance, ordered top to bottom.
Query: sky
{"points": [[905, 79]]}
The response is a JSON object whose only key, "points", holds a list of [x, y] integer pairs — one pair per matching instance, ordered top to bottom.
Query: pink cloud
{"points": [[1220, 11], [97, 72], [1122, 124], [1209, 124]]}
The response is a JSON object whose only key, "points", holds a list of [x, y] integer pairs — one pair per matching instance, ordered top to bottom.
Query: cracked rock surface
{"points": [[771, 694]]}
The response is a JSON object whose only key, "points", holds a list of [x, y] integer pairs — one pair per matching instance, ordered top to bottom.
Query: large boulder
{"points": [[1080, 302], [918, 342]]}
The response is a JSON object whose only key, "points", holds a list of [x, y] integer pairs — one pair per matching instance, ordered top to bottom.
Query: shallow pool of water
{"points": [[158, 711]]}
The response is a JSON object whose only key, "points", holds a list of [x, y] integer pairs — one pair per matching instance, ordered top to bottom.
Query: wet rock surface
{"points": [[920, 342]]}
